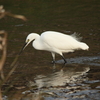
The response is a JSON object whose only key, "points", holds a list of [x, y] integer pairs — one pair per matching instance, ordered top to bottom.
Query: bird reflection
{"points": [[66, 75]]}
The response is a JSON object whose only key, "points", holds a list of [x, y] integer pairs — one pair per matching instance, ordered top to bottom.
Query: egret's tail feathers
{"points": [[76, 36], [84, 46]]}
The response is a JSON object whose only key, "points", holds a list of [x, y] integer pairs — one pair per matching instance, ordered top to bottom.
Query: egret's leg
{"points": [[53, 56], [63, 58]]}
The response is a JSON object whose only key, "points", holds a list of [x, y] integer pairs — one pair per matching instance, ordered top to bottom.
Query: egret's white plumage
{"points": [[56, 42]]}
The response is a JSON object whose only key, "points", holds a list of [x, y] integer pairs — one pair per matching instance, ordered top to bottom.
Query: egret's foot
{"points": [[53, 62], [65, 62]]}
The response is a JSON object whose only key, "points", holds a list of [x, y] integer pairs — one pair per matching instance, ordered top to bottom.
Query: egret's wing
{"points": [[59, 40]]}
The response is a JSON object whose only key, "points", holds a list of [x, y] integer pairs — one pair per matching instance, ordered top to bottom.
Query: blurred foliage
{"points": [[3, 45]]}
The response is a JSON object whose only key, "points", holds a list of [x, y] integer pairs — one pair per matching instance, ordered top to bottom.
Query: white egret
{"points": [[55, 42]]}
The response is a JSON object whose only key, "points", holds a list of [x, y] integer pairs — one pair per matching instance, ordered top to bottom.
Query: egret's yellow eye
{"points": [[27, 40]]}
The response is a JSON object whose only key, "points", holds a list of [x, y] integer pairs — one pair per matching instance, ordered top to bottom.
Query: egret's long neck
{"points": [[37, 44]]}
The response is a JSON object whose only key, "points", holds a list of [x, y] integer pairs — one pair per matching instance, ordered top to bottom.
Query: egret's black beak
{"points": [[23, 48]]}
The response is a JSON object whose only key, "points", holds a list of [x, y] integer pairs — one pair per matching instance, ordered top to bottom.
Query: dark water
{"points": [[35, 78]]}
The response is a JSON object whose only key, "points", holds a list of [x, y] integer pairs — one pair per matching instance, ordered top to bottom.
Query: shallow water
{"points": [[35, 77], [78, 80]]}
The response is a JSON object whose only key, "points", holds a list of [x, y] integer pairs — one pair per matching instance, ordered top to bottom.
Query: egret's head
{"points": [[29, 39]]}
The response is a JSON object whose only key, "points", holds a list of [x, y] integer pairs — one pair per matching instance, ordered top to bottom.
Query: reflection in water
{"points": [[66, 75], [69, 83], [59, 84]]}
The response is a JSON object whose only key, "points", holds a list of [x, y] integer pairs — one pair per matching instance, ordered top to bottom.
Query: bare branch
{"points": [[4, 13], [3, 49]]}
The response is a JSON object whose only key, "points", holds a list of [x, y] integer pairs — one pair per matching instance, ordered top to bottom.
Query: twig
{"points": [[3, 49]]}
